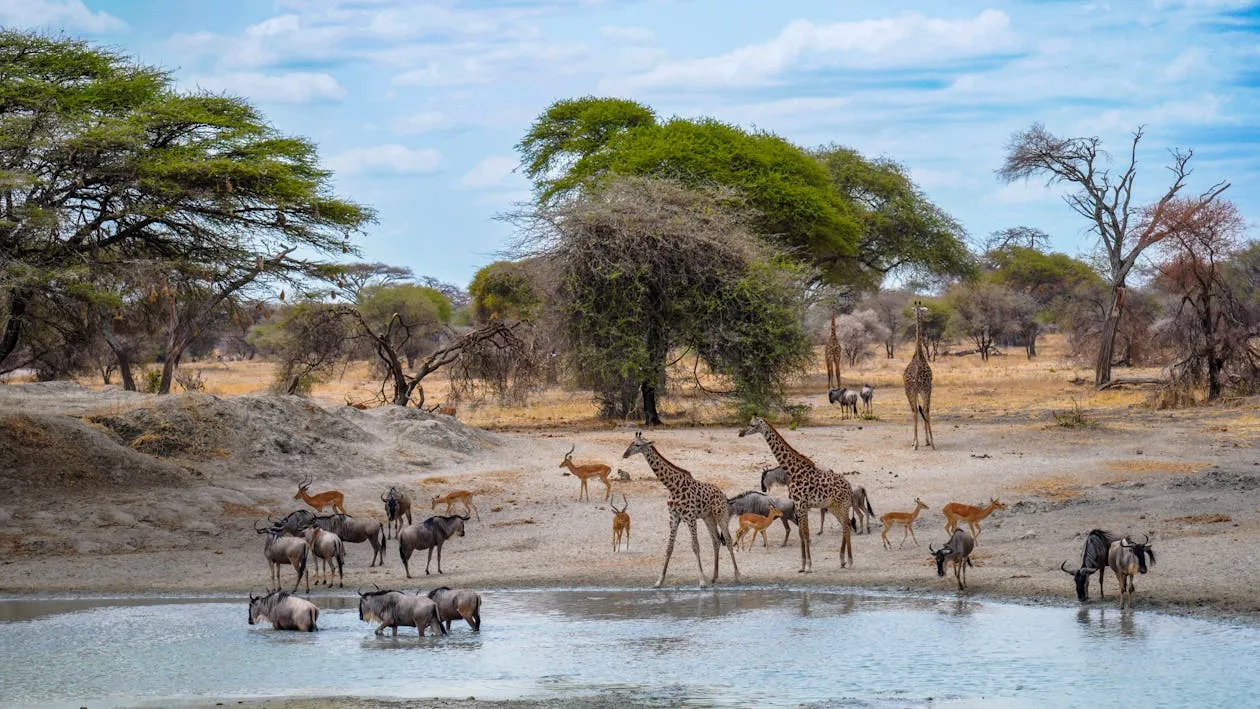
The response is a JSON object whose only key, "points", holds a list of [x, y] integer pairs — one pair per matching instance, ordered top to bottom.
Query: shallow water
{"points": [[668, 648]]}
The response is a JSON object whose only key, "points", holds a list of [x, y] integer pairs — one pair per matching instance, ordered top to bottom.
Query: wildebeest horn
{"points": [[383, 499], [464, 517], [256, 529], [1146, 539], [934, 551], [1063, 568]]}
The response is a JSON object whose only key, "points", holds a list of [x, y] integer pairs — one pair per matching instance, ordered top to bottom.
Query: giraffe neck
{"points": [[833, 328], [918, 334], [785, 454], [673, 477]]}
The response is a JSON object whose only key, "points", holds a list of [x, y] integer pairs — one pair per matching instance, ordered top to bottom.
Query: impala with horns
{"points": [[586, 472], [328, 498], [397, 505], [621, 523], [356, 531], [430, 534], [280, 551], [957, 551], [1127, 559], [1093, 560], [457, 603], [394, 608], [283, 611]]}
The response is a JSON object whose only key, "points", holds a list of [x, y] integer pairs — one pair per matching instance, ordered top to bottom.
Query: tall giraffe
{"points": [[834, 357], [918, 380], [808, 486], [689, 500]]}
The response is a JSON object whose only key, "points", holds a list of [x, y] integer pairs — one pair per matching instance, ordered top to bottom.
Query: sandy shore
{"points": [[1184, 479]]}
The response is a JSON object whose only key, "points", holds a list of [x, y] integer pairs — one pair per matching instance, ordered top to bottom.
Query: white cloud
{"points": [[67, 14], [900, 41], [1189, 63], [452, 73], [293, 87], [420, 122], [390, 159], [492, 172], [1024, 192]]}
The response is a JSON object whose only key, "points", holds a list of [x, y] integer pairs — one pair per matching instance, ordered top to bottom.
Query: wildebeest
{"points": [[868, 394], [847, 398], [773, 476], [759, 503], [397, 504], [862, 513], [293, 523], [352, 530], [430, 534], [327, 548], [281, 550], [958, 551], [1093, 559], [1128, 559], [457, 603], [394, 608], [285, 612]]}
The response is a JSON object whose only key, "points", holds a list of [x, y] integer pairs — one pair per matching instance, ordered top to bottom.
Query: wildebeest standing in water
{"points": [[429, 534], [457, 603], [394, 608], [285, 612]]}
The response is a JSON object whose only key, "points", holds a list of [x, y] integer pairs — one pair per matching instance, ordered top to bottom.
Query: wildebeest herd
{"points": [[303, 537]]}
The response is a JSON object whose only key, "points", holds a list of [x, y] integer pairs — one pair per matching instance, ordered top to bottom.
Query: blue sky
{"points": [[417, 105]]}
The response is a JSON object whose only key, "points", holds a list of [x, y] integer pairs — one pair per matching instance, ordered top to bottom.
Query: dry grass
{"points": [[22, 431], [1152, 466], [1056, 488], [1200, 519]]}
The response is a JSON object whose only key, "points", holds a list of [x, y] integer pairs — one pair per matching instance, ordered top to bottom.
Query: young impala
{"points": [[586, 472], [332, 498], [450, 498], [956, 512], [903, 518], [757, 524]]}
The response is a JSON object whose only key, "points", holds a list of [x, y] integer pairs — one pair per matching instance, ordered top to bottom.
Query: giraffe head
{"points": [[755, 425], [638, 445]]}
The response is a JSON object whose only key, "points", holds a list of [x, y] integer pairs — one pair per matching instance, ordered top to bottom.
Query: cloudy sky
{"points": [[417, 105]]}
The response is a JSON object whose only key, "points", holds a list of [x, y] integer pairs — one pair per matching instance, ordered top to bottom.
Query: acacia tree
{"points": [[108, 168], [1104, 198], [645, 267], [889, 306], [986, 311], [858, 330], [1211, 330]]}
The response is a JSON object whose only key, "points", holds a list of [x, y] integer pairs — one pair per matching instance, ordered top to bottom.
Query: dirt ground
{"points": [[116, 492]]}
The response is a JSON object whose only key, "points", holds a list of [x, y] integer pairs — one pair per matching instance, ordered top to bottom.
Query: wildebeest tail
{"points": [[869, 511], [301, 565], [477, 613]]}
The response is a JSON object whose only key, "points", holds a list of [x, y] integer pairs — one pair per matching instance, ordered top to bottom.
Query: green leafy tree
{"points": [[107, 169], [645, 267], [1049, 280], [505, 289]]}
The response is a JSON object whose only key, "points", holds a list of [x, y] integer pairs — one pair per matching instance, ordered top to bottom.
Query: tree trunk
{"points": [[18, 302], [1106, 346], [169, 365], [650, 416]]}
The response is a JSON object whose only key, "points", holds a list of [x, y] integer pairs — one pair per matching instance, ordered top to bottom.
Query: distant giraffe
{"points": [[834, 356], [918, 380], [808, 486], [689, 500]]}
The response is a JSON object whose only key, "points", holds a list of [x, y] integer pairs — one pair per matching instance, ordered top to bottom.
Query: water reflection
{"points": [[1109, 621]]}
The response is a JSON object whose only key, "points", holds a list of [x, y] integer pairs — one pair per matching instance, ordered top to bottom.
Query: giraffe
{"points": [[834, 357], [918, 380], [808, 486], [689, 500]]}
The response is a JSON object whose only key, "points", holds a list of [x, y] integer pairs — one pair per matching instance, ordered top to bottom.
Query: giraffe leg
{"points": [[914, 414], [841, 512], [802, 531], [695, 547], [669, 548]]}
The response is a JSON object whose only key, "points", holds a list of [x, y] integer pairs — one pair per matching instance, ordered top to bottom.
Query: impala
{"points": [[586, 472], [332, 498], [450, 498], [956, 512], [903, 518], [621, 523]]}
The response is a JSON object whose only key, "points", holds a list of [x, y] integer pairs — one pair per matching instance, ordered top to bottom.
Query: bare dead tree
{"points": [[1104, 198]]}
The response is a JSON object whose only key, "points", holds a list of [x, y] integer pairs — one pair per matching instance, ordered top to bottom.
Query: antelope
{"points": [[360, 405], [586, 472], [450, 498], [322, 500], [760, 503], [397, 504], [956, 512], [903, 518], [621, 523], [757, 523], [430, 534], [327, 548], [281, 550], [958, 551], [1094, 558], [1127, 559], [457, 603], [394, 608], [283, 611]]}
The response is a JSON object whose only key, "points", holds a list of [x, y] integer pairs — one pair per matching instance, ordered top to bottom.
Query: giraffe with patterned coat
{"points": [[834, 357], [918, 382], [808, 486], [689, 500]]}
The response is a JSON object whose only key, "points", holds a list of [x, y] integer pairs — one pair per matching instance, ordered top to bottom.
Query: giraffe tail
{"points": [[922, 413]]}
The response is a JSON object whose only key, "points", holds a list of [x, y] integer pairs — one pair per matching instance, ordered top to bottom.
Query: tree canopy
{"points": [[107, 170]]}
